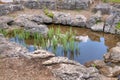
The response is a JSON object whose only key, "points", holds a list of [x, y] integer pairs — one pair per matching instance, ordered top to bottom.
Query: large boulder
{"points": [[8, 8]]}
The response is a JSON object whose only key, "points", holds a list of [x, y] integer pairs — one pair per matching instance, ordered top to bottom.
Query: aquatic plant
{"points": [[4, 32], [71, 45]]}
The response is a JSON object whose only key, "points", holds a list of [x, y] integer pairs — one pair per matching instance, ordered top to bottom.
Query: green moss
{"points": [[105, 1], [116, 1], [48, 13], [98, 21], [118, 26]]}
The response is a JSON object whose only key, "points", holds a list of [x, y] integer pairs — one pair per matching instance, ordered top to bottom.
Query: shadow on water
{"points": [[92, 45]]}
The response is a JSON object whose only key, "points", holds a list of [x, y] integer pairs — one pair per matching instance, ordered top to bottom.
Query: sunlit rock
{"points": [[41, 54]]}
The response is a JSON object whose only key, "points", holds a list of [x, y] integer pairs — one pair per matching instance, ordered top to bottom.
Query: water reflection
{"points": [[87, 49]]}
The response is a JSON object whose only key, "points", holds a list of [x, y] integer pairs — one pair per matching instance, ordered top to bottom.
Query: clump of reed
{"points": [[53, 38]]}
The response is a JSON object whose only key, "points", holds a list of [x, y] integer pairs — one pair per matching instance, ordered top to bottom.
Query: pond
{"points": [[91, 46]]}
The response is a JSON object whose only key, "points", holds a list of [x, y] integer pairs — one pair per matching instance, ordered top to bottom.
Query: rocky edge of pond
{"points": [[37, 23], [61, 67], [65, 69]]}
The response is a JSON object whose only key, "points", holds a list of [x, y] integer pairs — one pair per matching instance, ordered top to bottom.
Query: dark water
{"points": [[91, 47]]}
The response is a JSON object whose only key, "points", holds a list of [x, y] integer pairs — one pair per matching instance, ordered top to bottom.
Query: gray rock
{"points": [[32, 4], [49, 4], [58, 4], [82, 4], [116, 6], [103, 7], [8, 8], [61, 18], [41, 19], [68, 19], [94, 19], [78, 20], [5, 21], [111, 23], [31, 26], [98, 27], [42, 29], [9, 49], [41, 54], [113, 55], [58, 60], [115, 71], [73, 72]]}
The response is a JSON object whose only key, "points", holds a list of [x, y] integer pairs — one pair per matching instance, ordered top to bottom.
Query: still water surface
{"points": [[92, 45]]}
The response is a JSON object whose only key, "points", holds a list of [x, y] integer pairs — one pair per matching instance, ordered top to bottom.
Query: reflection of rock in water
{"points": [[95, 37], [82, 38], [111, 40]]}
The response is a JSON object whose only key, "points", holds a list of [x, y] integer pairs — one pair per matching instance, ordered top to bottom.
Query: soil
{"points": [[24, 69]]}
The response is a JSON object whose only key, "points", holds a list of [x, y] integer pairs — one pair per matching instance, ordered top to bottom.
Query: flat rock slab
{"points": [[40, 54], [58, 60]]}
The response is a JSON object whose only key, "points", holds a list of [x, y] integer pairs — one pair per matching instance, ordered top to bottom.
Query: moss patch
{"points": [[118, 26]]}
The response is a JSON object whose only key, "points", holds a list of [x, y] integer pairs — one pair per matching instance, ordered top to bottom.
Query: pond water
{"points": [[92, 45]]}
